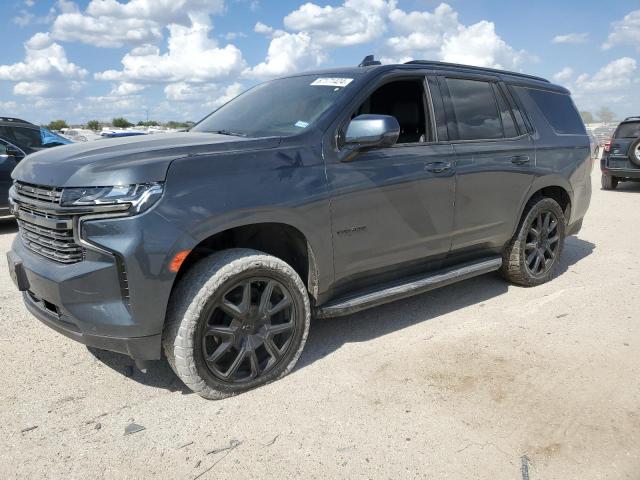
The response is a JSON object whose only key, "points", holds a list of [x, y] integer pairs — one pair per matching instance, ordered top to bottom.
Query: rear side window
{"points": [[475, 109], [559, 111], [508, 123], [628, 130]]}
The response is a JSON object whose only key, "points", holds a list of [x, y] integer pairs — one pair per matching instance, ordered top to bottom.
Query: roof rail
{"points": [[471, 67], [631, 118], [14, 120]]}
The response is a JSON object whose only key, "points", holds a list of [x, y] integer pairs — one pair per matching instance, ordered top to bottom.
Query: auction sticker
{"points": [[332, 82]]}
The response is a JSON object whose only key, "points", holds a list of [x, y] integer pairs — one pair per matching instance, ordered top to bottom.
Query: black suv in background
{"points": [[621, 157], [319, 194]]}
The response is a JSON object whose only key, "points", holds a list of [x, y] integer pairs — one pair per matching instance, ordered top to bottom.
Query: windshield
{"points": [[280, 107], [628, 130]]}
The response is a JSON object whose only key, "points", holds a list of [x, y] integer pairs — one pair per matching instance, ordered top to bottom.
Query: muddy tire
{"points": [[533, 254], [237, 320]]}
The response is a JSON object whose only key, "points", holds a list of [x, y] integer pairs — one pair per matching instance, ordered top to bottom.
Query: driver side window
{"points": [[406, 101]]}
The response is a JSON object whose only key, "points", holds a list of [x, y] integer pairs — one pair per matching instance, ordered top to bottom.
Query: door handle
{"points": [[520, 159], [438, 167]]}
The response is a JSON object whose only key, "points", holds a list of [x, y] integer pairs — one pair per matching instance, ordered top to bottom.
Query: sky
{"points": [[181, 59]]}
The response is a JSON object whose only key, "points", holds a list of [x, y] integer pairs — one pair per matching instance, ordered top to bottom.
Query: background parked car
{"points": [[27, 136], [10, 155], [621, 159]]}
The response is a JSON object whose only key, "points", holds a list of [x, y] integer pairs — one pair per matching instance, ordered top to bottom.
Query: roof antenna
{"points": [[369, 61]]}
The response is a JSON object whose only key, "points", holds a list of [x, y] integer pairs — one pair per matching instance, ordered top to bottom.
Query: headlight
{"points": [[140, 196]]}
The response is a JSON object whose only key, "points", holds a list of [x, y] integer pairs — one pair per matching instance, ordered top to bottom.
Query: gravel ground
{"points": [[476, 380]]}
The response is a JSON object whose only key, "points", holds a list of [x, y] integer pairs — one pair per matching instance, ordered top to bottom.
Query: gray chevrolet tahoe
{"points": [[316, 195]]}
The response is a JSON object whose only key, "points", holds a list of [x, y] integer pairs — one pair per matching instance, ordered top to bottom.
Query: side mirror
{"points": [[366, 131], [14, 152]]}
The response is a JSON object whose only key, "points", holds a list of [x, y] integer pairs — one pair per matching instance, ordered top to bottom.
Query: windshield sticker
{"points": [[331, 82], [301, 124]]}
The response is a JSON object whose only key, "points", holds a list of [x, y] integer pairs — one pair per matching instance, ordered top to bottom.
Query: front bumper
{"points": [[82, 301]]}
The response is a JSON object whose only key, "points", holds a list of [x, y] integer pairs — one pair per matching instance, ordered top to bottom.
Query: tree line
{"points": [[604, 115], [119, 122]]}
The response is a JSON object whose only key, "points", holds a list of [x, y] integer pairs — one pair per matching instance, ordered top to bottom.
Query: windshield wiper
{"points": [[230, 133]]}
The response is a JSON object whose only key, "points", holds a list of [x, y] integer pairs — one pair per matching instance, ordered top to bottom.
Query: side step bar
{"points": [[414, 286]]}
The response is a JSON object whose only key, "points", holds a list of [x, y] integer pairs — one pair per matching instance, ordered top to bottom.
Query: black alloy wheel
{"points": [[542, 244], [248, 330]]}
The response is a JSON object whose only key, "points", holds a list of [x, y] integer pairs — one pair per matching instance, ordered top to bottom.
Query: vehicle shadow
{"points": [[628, 187], [8, 225], [328, 335], [158, 374]]}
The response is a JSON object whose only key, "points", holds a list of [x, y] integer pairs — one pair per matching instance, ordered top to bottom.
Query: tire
{"points": [[634, 152], [608, 182], [520, 256], [218, 311]]}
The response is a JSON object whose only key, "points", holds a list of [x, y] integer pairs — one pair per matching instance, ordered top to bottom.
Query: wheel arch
{"points": [[555, 187], [281, 240]]}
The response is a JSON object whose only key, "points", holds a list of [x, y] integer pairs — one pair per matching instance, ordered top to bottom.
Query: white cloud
{"points": [[23, 18], [352, 23], [111, 24], [263, 29], [625, 32], [440, 35], [230, 36], [571, 38], [480, 45], [288, 52], [191, 57], [46, 71], [564, 75], [614, 76], [126, 89], [210, 95]]}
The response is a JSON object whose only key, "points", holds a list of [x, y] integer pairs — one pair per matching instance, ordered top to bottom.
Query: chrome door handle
{"points": [[520, 159], [438, 167]]}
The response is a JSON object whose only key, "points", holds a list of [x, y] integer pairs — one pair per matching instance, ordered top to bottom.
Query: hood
{"points": [[125, 161]]}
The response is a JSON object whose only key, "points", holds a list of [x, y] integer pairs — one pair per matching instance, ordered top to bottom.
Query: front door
{"points": [[392, 208]]}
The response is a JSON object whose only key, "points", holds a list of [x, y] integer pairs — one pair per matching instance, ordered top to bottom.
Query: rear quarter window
{"points": [[559, 111]]}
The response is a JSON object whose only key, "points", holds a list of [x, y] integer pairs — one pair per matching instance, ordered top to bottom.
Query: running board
{"points": [[415, 286]]}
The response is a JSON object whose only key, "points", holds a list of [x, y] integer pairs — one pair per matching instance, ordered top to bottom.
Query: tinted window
{"points": [[403, 100], [280, 107], [475, 109], [559, 111], [508, 124], [628, 130], [27, 137], [3, 149]]}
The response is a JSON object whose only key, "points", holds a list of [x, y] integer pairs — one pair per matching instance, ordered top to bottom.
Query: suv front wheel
{"points": [[533, 254], [237, 320]]}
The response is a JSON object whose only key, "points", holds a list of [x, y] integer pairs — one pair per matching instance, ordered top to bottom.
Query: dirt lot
{"points": [[478, 380]]}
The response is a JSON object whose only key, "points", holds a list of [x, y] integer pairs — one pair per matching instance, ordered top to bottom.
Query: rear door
{"points": [[495, 159]]}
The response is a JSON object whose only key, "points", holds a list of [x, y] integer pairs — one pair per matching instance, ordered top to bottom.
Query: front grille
{"points": [[39, 192], [45, 233]]}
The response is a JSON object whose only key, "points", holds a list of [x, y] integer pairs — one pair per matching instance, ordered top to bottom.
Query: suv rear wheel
{"points": [[608, 182], [534, 252], [238, 319]]}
